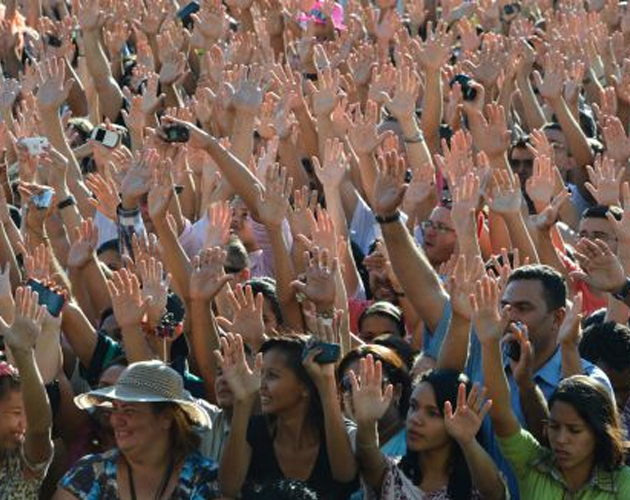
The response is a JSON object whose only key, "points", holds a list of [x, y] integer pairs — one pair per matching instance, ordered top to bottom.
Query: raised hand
{"points": [[434, 53], [53, 86], [550, 87], [325, 95], [403, 104], [363, 133], [492, 136], [616, 140], [457, 161], [57, 166], [335, 166], [605, 178], [137, 180], [390, 186], [540, 186], [421, 188], [161, 190], [105, 191], [505, 196], [465, 201], [273, 203], [302, 212], [549, 215], [219, 220], [622, 227], [85, 239], [37, 263], [600, 266], [208, 276], [461, 283], [155, 286], [320, 286], [128, 303], [248, 315], [488, 321], [570, 329], [22, 335], [523, 369], [244, 381], [369, 400], [464, 424]]}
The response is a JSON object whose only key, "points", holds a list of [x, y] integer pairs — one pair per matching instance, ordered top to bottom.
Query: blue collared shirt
{"points": [[547, 378]]}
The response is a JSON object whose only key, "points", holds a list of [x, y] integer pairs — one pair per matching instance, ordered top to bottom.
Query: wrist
{"points": [[129, 203]]}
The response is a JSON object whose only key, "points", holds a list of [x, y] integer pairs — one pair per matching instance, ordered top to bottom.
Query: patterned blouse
{"points": [[94, 477], [15, 482], [397, 486]]}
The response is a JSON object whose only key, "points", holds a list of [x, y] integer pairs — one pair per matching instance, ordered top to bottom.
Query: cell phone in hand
{"points": [[184, 14], [468, 92], [176, 133], [106, 137], [35, 145], [43, 199], [53, 301], [512, 348], [330, 352]]}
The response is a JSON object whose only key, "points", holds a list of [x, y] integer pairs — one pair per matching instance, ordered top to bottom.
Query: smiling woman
{"points": [[156, 455]]}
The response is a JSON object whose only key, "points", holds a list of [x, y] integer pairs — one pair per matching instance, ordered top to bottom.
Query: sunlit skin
{"points": [[593, 228], [439, 245], [527, 305], [281, 392], [12, 421], [137, 428], [572, 442]]}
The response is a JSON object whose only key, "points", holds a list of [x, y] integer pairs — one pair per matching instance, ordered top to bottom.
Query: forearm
{"points": [[432, 111], [534, 115], [53, 129], [308, 131], [243, 136], [576, 140], [289, 157], [368, 172], [236, 173], [519, 235], [547, 252], [7, 256], [175, 259], [284, 275], [419, 281], [96, 286], [81, 295], [79, 333], [204, 341], [136, 347], [454, 351], [534, 407], [503, 418], [236, 455], [371, 461], [342, 462], [483, 471]]}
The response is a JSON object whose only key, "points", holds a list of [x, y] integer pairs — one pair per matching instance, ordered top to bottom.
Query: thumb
{"points": [[298, 286]]}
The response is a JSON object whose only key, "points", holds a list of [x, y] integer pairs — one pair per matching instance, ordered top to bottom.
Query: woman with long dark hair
{"points": [[301, 434], [443, 461]]}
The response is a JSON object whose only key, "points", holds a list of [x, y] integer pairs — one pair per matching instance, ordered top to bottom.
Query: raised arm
{"points": [[419, 280]]}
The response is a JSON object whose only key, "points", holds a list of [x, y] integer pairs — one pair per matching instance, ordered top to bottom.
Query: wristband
{"points": [[417, 137], [68, 202], [387, 219], [624, 292]]}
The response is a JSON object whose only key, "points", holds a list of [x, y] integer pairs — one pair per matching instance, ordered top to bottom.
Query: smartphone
{"points": [[511, 9], [184, 14], [468, 92], [176, 133], [106, 137], [35, 145], [43, 199], [53, 301], [329, 352]]}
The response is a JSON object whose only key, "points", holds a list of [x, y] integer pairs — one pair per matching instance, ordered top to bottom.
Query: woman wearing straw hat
{"points": [[157, 456]]}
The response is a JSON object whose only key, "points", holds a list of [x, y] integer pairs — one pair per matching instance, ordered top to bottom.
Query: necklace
{"points": [[163, 485]]}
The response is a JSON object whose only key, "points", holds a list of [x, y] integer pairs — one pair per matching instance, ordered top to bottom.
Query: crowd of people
{"points": [[300, 249]]}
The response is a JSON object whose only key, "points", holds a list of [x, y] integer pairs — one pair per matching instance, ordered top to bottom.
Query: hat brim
{"points": [[100, 398]]}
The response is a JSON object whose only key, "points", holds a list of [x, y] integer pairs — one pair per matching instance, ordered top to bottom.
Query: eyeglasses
{"points": [[436, 226], [346, 384]]}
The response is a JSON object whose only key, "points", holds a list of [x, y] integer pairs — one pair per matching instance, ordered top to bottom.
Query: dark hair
{"points": [[600, 211], [109, 245], [267, 286], [554, 288], [386, 310], [596, 317], [607, 342], [291, 346], [400, 346], [393, 368], [9, 382], [445, 384], [594, 405], [183, 438]]}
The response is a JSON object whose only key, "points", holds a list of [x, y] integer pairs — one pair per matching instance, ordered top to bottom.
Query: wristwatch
{"points": [[624, 292]]}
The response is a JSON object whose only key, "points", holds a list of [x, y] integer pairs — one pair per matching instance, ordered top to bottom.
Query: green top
{"points": [[540, 479]]}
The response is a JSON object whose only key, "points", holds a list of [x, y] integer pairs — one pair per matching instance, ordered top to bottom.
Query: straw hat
{"points": [[147, 382]]}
